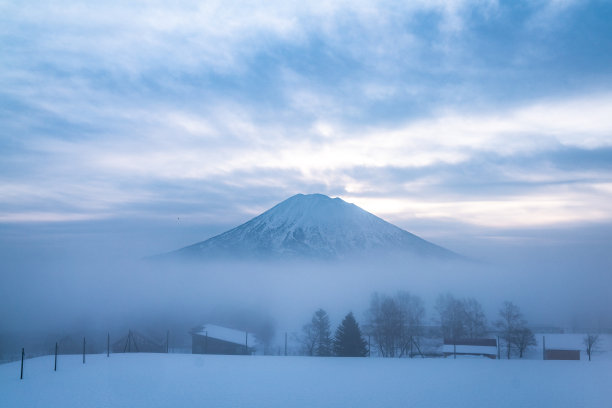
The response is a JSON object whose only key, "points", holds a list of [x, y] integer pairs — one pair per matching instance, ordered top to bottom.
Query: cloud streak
{"points": [[437, 110]]}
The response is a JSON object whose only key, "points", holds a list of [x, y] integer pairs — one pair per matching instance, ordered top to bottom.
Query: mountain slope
{"points": [[313, 226]]}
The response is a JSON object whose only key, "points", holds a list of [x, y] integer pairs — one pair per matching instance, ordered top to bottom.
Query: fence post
{"points": [[411, 343], [498, 349], [83, 350], [22, 356], [55, 367]]}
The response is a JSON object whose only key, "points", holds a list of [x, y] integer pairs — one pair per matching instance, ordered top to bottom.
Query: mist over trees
{"points": [[460, 318], [395, 323], [396, 326], [316, 335]]}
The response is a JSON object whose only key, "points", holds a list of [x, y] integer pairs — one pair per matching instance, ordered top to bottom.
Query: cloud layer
{"points": [[467, 111]]}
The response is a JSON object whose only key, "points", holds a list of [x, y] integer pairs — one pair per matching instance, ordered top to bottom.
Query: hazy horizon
{"points": [[130, 129], [85, 275]]}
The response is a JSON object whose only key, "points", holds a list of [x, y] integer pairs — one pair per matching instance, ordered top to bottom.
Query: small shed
{"points": [[213, 339], [470, 347], [557, 354]]}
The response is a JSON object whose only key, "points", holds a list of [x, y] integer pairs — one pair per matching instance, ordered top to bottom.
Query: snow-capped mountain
{"points": [[313, 226]]}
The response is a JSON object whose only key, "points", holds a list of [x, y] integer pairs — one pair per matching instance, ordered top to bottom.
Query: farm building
{"points": [[212, 339], [562, 346], [470, 347], [558, 354]]}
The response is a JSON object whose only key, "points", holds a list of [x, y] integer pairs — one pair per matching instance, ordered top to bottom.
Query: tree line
{"points": [[395, 327], [348, 340]]}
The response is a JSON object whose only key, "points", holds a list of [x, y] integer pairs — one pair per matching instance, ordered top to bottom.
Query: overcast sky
{"points": [[438, 116]]}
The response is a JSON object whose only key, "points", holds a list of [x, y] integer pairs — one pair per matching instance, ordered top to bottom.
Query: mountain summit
{"points": [[313, 226]]}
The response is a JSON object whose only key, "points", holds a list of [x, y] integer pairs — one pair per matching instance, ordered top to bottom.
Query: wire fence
{"points": [[130, 343]]}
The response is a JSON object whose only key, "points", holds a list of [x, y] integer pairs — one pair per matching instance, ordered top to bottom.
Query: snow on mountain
{"points": [[313, 226]]}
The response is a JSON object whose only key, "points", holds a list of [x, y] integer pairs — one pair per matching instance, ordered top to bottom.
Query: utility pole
{"points": [[83, 350]]}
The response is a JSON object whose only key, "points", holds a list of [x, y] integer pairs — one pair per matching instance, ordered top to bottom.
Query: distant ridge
{"points": [[313, 226]]}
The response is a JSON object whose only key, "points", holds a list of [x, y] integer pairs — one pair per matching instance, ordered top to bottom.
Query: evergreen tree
{"points": [[321, 329], [348, 341]]}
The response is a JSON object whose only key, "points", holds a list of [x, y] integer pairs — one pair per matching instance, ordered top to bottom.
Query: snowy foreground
{"points": [[185, 380]]}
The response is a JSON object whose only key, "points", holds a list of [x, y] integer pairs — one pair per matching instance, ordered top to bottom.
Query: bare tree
{"points": [[412, 312], [452, 316], [460, 318], [475, 320], [510, 321], [395, 323], [385, 324], [523, 338], [308, 339], [590, 341]]}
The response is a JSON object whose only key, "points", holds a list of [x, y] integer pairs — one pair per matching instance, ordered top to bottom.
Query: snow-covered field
{"points": [[185, 380]]}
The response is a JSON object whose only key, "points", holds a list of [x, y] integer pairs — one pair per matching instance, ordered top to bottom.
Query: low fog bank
{"points": [[90, 279], [44, 298]]}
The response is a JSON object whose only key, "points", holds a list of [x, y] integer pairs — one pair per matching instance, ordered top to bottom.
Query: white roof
{"points": [[224, 333]]}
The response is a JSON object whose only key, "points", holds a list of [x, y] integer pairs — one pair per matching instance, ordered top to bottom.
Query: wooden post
{"points": [[411, 342], [285, 343], [108, 344], [543, 347], [418, 348], [498, 349], [83, 350], [454, 350], [22, 356], [55, 367]]}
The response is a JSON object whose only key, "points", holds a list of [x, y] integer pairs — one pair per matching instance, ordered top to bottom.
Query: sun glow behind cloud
{"points": [[139, 108]]}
